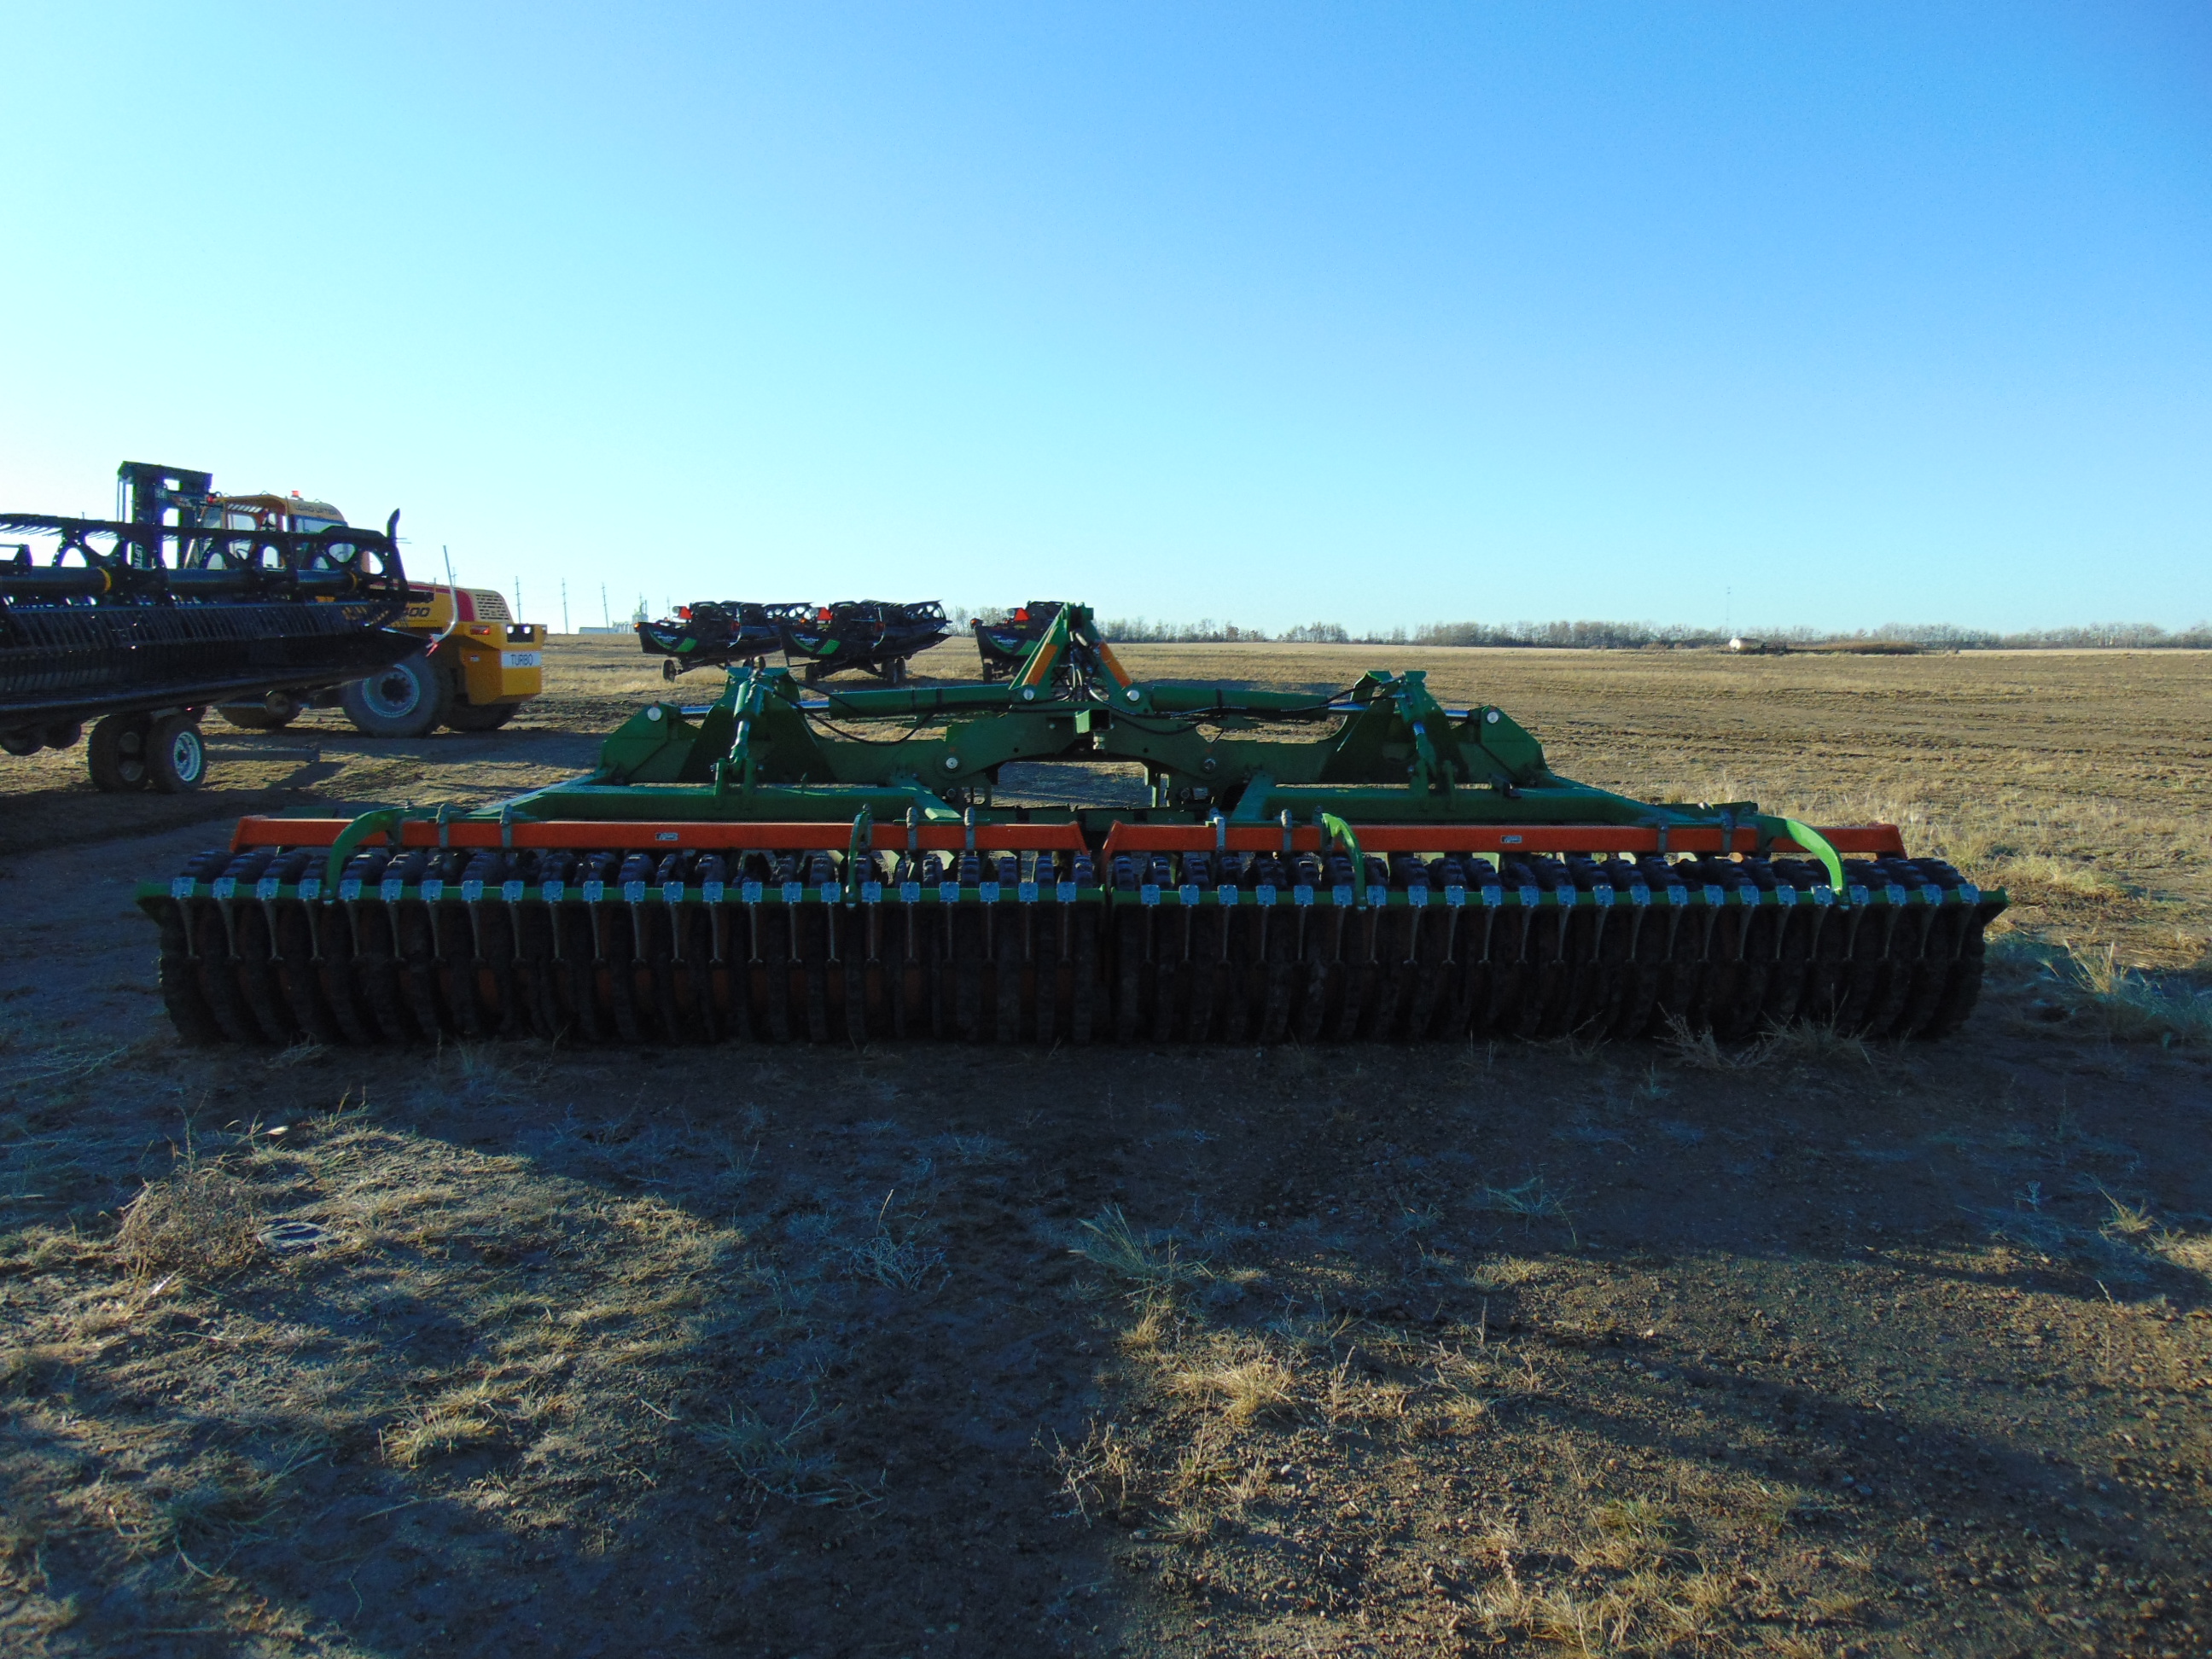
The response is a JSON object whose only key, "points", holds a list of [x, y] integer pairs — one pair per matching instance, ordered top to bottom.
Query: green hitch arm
{"points": [[384, 821], [1771, 829], [1340, 834]]}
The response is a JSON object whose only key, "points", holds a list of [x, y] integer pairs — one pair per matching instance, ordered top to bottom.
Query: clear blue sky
{"points": [[1374, 313]]}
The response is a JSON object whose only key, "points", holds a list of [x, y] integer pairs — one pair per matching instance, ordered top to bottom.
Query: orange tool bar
{"points": [[585, 834], [582, 835], [999, 837], [1878, 838]]}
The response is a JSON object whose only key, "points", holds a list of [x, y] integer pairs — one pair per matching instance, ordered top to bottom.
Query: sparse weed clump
{"points": [[2127, 1005], [1804, 1043], [1813, 1043], [1701, 1051], [1531, 1201], [199, 1218], [2132, 1227], [898, 1264], [1152, 1264], [1245, 1389], [474, 1415], [784, 1460], [1101, 1476]]}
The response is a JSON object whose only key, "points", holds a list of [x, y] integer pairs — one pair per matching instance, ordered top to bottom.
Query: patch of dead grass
{"points": [[2037, 875], [2127, 1005], [1812, 1042], [1701, 1051], [1531, 1199], [197, 1219], [1154, 1265], [1501, 1273], [1243, 1390], [476, 1414], [786, 1459], [1101, 1476]]}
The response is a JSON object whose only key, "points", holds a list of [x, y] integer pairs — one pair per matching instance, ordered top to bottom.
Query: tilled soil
{"points": [[1810, 1348]]}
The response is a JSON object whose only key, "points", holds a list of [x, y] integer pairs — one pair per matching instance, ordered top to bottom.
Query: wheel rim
{"points": [[395, 694], [186, 756]]}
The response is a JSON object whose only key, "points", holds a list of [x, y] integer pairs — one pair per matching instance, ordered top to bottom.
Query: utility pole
{"points": [[518, 598], [564, 604], [604, 614]]}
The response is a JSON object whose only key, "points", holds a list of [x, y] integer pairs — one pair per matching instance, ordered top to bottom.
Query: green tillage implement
{"points": [[759, 869]]}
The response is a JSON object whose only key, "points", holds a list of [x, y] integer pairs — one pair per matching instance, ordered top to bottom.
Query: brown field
{"points": [[1810, 1348]]}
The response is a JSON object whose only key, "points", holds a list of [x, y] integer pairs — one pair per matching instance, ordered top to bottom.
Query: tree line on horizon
{"points": [[1637, 636]]}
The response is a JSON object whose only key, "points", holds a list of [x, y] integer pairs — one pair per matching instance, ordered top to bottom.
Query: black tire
{"points": [[895, 671], [409, 699], [480, 716], [259, 717], [63, 735], [22, 741], [176, 756], [116, 757]]}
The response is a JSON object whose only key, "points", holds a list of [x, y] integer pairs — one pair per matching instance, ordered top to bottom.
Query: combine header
{"points": [[139, 624], [714, 633], [868, 635], [1004, 644], [753, 869]]}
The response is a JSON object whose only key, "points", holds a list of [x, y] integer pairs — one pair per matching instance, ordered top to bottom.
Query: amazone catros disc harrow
{"points": [[745, 870]]}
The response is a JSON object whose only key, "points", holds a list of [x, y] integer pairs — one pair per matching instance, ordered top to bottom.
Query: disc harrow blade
{"points": [[621, 946]]}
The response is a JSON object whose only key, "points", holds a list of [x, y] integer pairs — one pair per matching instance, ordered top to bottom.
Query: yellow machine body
{"points": [[492, 658]]}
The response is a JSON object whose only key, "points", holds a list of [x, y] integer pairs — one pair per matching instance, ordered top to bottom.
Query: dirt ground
{"points": [[1808, 1347]]}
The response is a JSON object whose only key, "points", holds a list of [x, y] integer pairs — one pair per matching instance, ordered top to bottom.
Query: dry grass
{"points": [[2109, 835], [2042, 875], [2127, 1005], [1810, 1042], [1701, 1051], [1530, 1199], [199, 1219], [2133, 1228], [902, 1264], [1152, 1264], [1501, 1273], [577, 1320], [1155, 1321], [1243, 1390], [476, 1414], [780, 1460], [1102, 1476], [204, 1509], [1638, 1525], [1639, 1591]]}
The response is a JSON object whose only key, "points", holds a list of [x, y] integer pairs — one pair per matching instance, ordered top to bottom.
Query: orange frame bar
{"points": [[582, 834], [585, 834], [1879, 839]]}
